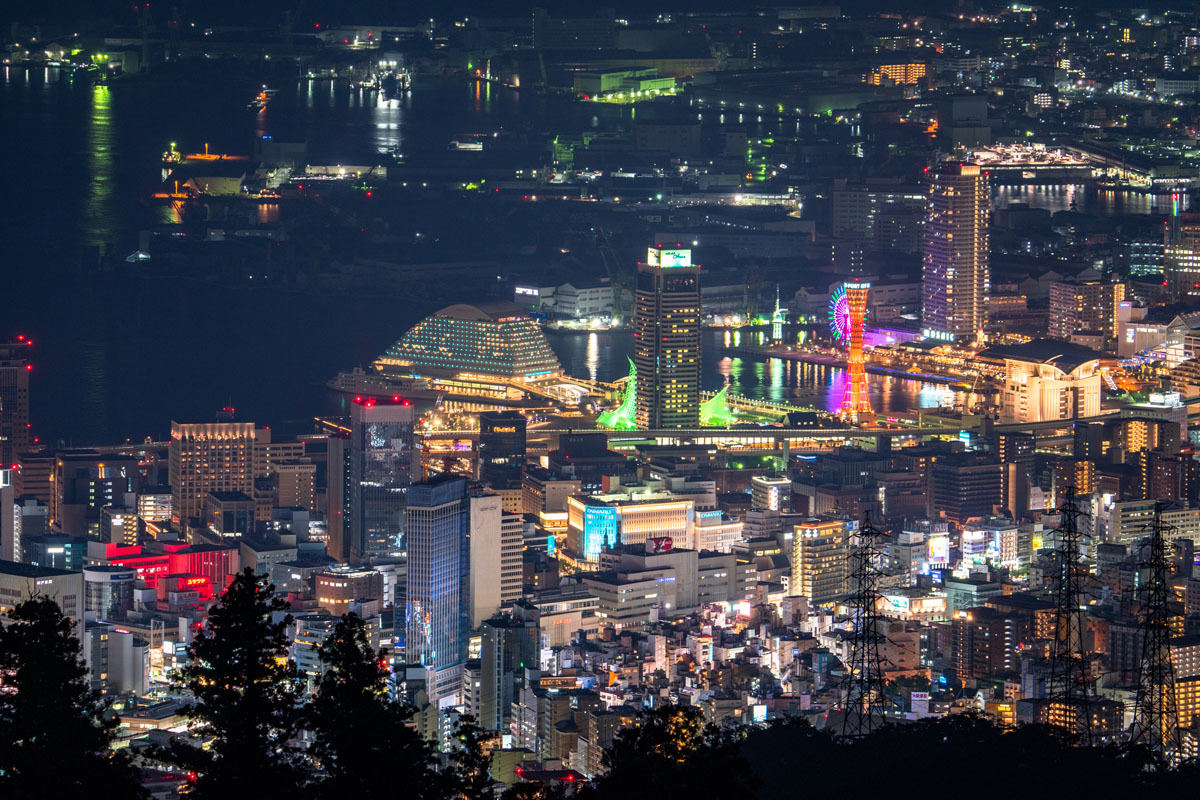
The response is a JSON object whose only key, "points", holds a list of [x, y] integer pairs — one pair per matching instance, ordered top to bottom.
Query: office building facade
{"points": [[887, 217], [1181, 255], [955, 268], [1084, 306], [666, 337], [14, 399], [501, 449], [208, 457], [383, 460], [84, 483], [964, 486], [597, 521], [820, 559], [19, 582], [340, 586], [108, 592], [436, 611]]}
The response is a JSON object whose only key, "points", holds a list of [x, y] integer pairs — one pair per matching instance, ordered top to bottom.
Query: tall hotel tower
{"points": [[956, 279], [666, 349], [208, 457], [436, 615]]}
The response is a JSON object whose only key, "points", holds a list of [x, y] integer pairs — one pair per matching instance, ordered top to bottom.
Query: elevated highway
{"points": [[798, 439]]}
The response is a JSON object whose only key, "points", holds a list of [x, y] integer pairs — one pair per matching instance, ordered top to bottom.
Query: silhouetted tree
{"points": [[247, 694], [54, 733], [362, 744], [672, 752], [789, 753], [901, 761], [467, 774], [535, 791]]}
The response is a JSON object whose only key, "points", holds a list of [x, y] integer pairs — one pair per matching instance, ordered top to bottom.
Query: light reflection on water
{"points": [[388, 114], [1105, 202], [98, 205], [267, 213], [593, 355], [602, 356]]}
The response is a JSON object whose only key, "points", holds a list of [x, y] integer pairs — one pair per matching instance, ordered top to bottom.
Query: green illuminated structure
{"points": [[715, 412], [624, 416]]}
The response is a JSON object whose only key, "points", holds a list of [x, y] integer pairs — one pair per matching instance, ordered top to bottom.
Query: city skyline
{"points": [[527, 402]]}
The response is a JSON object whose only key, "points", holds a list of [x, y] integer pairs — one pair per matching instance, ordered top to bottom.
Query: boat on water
{"points": [[393, 83], [262, 98]]}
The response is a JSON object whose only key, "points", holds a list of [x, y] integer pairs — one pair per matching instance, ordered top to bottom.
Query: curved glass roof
{"points": [[489, 339]]}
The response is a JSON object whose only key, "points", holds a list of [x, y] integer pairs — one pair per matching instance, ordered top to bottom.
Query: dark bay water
{"points": [[119, 357]]}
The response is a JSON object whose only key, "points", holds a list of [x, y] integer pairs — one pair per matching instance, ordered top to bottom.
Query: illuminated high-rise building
{"points": [[895, 74], [1181, 254], [955, 276], [1085, 306], [666, 348], [14, 399], [855, 403], [501, 449], [208, 457], [382, 460], [85, 483], [772, 493], [10, 531], [495, 543], [819, 558], [436, 605]]}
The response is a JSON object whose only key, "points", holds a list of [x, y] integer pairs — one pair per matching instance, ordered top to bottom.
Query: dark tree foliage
{"points": [[247, 695], [54, 736], [362, 745], [672, 752], [786, 754], [909, 760], [466, 775], [535, 791]]}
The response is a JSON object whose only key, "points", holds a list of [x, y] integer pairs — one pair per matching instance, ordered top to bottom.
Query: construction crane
{"points": [[145, 24], [173, 34], [619, 278], [753, 291]]}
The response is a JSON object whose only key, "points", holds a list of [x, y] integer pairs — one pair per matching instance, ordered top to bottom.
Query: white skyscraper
{"points": [[955, 277]]}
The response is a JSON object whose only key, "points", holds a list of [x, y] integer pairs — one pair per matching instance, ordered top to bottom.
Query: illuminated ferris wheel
{"points": [[839, 315]]}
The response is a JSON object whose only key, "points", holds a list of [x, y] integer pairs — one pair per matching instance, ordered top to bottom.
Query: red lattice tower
{"points": [[856, 406]]}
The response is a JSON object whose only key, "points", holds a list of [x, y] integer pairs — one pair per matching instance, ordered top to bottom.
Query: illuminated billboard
{"points": [[656, 257], [600, 528], [659, 544], [939, 550]]}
